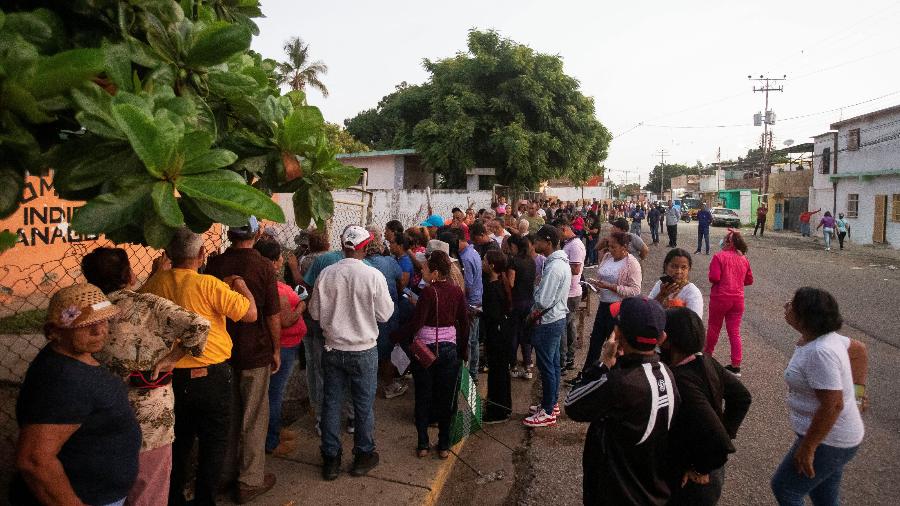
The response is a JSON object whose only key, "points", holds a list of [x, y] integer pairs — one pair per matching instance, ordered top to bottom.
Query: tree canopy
{"points": [[300, 71], [499, 105], [158, 115]]}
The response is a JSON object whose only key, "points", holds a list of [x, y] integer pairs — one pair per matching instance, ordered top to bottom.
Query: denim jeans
{"points": [[804, 229], [654, 231], [702, 234], [827, 235], [591, 252], [474, 331], [545, 341], [567, 345], [314, 346], [359, 370], [277, 384], [435, 394], [790, 487], [692, 494]]}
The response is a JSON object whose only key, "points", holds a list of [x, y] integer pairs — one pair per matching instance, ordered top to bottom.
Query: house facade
{"points": [[397, 169], [857, 172]]}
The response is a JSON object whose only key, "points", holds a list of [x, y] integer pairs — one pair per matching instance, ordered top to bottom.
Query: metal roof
{"points": [[867, 116], [373, 154]]}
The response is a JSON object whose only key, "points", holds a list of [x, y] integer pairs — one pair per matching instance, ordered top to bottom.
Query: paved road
{"points": [[866, 282]]}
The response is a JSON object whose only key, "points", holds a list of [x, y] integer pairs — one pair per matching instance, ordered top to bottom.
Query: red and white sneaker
{"points": [[535, 409], [540, 419]]}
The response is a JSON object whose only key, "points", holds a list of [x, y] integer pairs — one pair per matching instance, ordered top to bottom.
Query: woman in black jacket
{"points": [[702, 431]]}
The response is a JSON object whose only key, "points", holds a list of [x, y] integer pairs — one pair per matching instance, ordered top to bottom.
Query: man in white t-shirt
{"points": [[498, 230], [575, 250]]}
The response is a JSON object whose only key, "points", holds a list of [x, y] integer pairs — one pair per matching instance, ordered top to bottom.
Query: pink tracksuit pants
{"points": [[729, 309]]}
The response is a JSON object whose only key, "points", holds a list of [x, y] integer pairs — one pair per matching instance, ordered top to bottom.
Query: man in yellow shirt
{"points": [[202, 384]]}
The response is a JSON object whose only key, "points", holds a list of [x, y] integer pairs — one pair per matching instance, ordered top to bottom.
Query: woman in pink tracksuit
{"points": [[729, 273]]}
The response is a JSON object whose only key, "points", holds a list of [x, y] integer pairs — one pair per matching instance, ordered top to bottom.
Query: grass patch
{"points": [[27, 322]]}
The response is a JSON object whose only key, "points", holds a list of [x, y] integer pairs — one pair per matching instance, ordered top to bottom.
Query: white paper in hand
{"points": [[399, 359]]}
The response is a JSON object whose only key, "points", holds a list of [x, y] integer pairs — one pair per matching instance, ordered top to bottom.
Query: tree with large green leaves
{"points": [[300, 71], [500, 105], [158, 115]]}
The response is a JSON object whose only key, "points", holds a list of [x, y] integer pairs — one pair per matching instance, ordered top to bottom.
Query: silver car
{"points": [[725, 216]]}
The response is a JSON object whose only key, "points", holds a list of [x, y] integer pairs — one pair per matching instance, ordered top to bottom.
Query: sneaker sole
{"points": [[542, 424]]}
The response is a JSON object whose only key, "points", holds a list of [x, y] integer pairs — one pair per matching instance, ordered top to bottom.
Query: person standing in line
{"points": [[761, 213], [637, 216], [673, 216], [662, 220], [704, 220], [535, 221], [653, 221], [804, 222], [827, 226], [843, 229], [592, 231], [636, 246], [574, 249], [471, 267], [729, 273], [520, 275], [674, 288], [549, 317], [147, 338], [497, 338], [255, 358], [826, 380], [203, 385], [629, 398], [702, 431], [78, 439], [282, 442]]}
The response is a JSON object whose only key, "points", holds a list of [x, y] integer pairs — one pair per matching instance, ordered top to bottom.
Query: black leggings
{"points": [[841, 236], [603, 327], [497, 342], [435, 394]]}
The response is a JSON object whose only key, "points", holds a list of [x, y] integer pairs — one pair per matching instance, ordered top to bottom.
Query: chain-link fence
{"points": [[25, 291]]}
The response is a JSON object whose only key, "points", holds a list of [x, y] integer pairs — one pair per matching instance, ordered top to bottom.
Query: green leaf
{"points": [[217, 42], [118, 66], [59, 73], [230, 84], [19, 100], [95, 113], [301, 129], [195, 143], [153, 146], [212, 159], [86, 162], [339, 175], [11, 185], [230, 195], [165, 205], [323, 206], [302, 207], [111, 211], [218, 214], [194, 218], [156, 232], [7, 239]]}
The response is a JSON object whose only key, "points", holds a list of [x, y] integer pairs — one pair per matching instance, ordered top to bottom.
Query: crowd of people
{"points": [[135, 377]]}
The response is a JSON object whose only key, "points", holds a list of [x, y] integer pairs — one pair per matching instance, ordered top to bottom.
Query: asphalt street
{"points": [[866, 282]]}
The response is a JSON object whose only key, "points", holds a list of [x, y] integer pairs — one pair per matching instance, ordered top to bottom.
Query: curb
{"points": [[440, 478]]}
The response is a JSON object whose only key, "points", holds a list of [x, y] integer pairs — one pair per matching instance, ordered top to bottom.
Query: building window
{"points": [[853, 140], [826, 161], [852, 205], [895, 208]]}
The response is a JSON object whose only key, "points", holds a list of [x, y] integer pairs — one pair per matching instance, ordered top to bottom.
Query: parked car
{"points": [[726, 217]]}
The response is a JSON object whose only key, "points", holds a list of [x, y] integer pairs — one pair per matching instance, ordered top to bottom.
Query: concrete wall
{"points": [[879, 147], [382, 170], [712, 182], [790, 184], [573, 193], [861, 227]]}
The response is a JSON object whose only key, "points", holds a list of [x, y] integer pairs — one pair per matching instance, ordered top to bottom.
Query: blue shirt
{"points": [[637, 215], [704, 218], [322, 261], [471, 264], [406, 266], [388, 267]]}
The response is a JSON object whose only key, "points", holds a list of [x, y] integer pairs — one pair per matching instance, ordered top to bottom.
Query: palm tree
{"points": [[298, 71]]}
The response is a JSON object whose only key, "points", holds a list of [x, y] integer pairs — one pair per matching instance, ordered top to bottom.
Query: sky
{"points": [[678, 68]]}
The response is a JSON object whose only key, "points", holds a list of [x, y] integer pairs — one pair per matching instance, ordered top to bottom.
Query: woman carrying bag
{"points": [[437, 336]]}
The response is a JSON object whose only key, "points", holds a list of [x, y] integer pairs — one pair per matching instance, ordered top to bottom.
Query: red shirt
{"points": [[293, 335]]}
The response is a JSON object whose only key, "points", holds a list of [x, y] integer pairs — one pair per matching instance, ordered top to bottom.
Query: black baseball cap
{"points": [[245, 232], [548, 233], [641, 321]]}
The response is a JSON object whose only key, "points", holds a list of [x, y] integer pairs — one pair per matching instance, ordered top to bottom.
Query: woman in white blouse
{"points": [[675, 289]]}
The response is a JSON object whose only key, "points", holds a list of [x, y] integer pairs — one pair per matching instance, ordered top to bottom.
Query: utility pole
{"points": [[766, 118], [662, 171]]}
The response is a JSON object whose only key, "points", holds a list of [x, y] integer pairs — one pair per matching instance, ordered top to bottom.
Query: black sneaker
{"points": [[570, 365], [733, 370], [574, 381], [363, 463], [331, 467]]}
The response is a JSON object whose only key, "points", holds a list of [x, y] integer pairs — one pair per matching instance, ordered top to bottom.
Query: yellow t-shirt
{"points": [[208, 297]]}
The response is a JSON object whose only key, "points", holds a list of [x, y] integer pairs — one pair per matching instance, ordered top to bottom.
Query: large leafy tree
{"points": [[300, 71], [500, 105], [158, 115], [343, 140]]}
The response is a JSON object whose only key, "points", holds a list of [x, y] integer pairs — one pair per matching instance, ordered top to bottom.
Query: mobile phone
{"points": [[666, 279]]}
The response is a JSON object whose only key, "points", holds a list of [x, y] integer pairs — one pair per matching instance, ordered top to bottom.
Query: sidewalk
{"points": [[400, 478]]}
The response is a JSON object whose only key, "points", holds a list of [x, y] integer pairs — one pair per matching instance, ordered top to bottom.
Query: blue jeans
{"points": [[804, 229], [654, 231], [702, 233], [827, 236], [545, 341], [473, 346], [359, 371], [277, 384], [790, 487]]}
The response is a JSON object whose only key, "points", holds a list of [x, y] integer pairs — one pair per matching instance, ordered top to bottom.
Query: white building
{"points": [[396, 169], [857, 172]]}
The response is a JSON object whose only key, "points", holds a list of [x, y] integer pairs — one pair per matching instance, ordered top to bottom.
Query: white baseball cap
{"points": [[355, 237]]}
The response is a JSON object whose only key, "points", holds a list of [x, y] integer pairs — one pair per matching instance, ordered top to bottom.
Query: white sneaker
{"points": [[395, 389], [535, 409], [540, 419], [351, 427]]}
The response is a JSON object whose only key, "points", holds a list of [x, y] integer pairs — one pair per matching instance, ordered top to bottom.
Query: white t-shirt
{"points": [[499, 238], [576, 252], [609, 273], [690, 294], [823, 364]]}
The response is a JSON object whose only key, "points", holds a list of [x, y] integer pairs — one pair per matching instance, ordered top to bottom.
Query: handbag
{"points": [[419, 349], [141, 379]]}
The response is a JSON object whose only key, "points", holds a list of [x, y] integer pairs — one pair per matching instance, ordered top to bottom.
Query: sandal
{"points": [[422, 452], [443, 454]]}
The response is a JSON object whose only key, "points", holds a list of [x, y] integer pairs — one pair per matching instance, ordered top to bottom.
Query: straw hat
{"points": [[79, 306]]}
